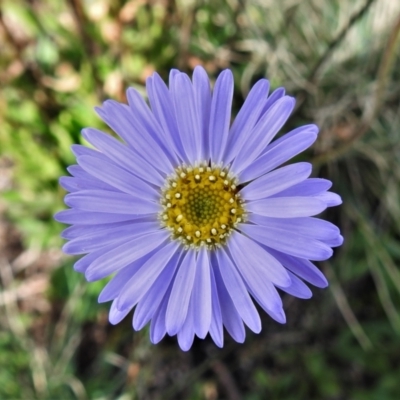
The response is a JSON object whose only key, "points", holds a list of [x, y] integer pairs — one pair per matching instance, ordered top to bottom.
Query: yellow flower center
{"points": [[201, 205]]}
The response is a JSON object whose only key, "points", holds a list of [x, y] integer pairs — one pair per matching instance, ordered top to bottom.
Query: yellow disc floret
{"points": [[201, 205]]}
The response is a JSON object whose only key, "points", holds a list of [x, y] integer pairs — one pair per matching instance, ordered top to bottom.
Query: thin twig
{"points": [[185, 34], [337, 40], [89, 45], [384, 70], [384, 295], [225, 378]]}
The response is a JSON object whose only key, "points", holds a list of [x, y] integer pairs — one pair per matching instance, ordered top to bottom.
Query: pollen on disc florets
{"points": [[201, 205]]}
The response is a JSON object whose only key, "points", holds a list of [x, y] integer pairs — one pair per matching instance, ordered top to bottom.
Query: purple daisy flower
{"points": [[195, 217]]}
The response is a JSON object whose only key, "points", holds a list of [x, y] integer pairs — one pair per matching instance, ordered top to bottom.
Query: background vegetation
{"points": [[340, 58]]}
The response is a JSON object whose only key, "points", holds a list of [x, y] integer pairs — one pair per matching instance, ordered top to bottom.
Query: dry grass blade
{"points": [[383, 292], [346, 310]]}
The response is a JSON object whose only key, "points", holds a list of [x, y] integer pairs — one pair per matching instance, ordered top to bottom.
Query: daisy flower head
{"points": [[197, 218]]}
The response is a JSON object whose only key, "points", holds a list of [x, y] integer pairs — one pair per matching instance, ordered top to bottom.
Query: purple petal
{"points": [[172, 74], [202, 94], [272, 99], [221, 105], [162, 107], [186, 116], [120, 118], [146, 119], [246, 119], [263, 133], [293, 134], [80, 150], [123, 156], [275, 156], [78, 172], [117, 177], [276, 181], [72, 184], [309, 187], [331, 199], [110, 202], [287, 207], [72, 216], [311, 227], [82, 230], [75, 231], [96, 240], [289, 242], [335, 242], [124, 254], [83, 263], [255, 264], [305, 269], [257, 276], [140, 283], [113, 288], [297, 288], [238, 292], [201, 295], [180, 296], [270, 301], [149, 304], [116, 316], [230, 317], [157, 326], [216, 327], [186, 334]]}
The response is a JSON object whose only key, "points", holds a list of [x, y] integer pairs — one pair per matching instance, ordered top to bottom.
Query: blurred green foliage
{"points": [[59, 59]]}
